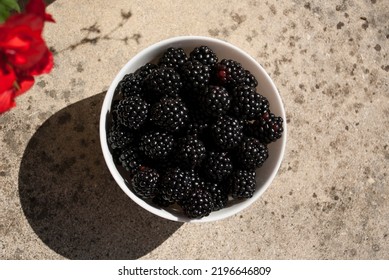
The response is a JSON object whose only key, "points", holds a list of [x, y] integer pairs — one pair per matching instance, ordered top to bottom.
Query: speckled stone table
{"points": [[330, 199]]}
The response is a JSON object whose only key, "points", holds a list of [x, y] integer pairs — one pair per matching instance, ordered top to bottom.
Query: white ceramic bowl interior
{"points": [[266, 87]]}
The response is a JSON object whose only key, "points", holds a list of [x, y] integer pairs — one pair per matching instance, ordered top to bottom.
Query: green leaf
{"points": [[11, 4], [4, 13]]}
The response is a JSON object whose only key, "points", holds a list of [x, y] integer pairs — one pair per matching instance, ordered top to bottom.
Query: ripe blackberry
{"points": [[204, 55], [173, 58], [145, 70], [229, 72], [195, 76], [249, 80], [162, 82], [130, 85], [215, 101], [247, 104], [132, 112], [170, 114], [198, 120], [268, 128], [227, 132], [118, 136], [156, 145], [190, 152], [251, 153], [130, 160], [217, 166], [145, 182], [242, 183], [175, 184], [218, 193], [160, 201], [197, 204]]}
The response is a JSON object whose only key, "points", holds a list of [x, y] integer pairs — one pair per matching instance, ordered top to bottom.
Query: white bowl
{"points": [[266, 87]]}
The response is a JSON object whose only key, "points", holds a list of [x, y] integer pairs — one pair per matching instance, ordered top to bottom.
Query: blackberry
{"points": [[204, 55], [173, 58], [145, 70], [229, 72], [195, 75], [249, 80], [162, 82], [131, 85], [215, 101], [247, 103], [132, 112], [170, 114], [198, 120], [268, 128], [227, 132], [118, 136], [156, 145], [190, 152], [251, 153], [130, 160], [217, 166], [195, 179], [145, 182], [242, 183], [175, 184], [218, 193], [160, 201], [197, 204]]}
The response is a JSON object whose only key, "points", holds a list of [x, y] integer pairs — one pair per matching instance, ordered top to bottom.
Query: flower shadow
{"points": [[70, 199]]}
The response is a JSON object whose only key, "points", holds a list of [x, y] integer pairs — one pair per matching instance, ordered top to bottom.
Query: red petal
{"points": [[38, 8], [49, 18], [44, 65], [7, 78], [25, 84], [7, 101]]}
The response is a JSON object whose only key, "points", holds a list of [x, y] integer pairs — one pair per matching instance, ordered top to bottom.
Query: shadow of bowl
{"points": [[70, 199]]}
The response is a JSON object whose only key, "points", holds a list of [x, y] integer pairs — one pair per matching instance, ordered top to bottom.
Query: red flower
{"points": [[23, 52]]}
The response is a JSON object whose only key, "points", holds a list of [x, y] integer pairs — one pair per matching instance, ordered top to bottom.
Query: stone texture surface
{"points": [[330, 199]]}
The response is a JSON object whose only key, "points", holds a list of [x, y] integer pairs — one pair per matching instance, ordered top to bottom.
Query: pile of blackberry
{"points": [[190, 131]]}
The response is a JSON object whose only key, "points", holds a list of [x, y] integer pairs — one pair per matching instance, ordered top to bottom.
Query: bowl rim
{"points": [[108, 156]]}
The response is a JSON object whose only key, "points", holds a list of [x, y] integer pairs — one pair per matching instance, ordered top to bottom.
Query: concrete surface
{"points": [[330, 199]]}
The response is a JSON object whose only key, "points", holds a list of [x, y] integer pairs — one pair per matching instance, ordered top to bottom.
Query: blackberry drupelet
{"points": [[204, 55], [173, 58], [145, 70], [229, 72], [195, 76], [162, 82], [131, 85], [215, 101], [247, 104], [132, 112], [170, 114], [268, 128], [227, 132], [118, 136], [156, 145], [190, 152], [251, 153], [130, 160], [217, 166], [145, 182], [242, 183], [175, 184], [218, 193], [197, 204]]}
